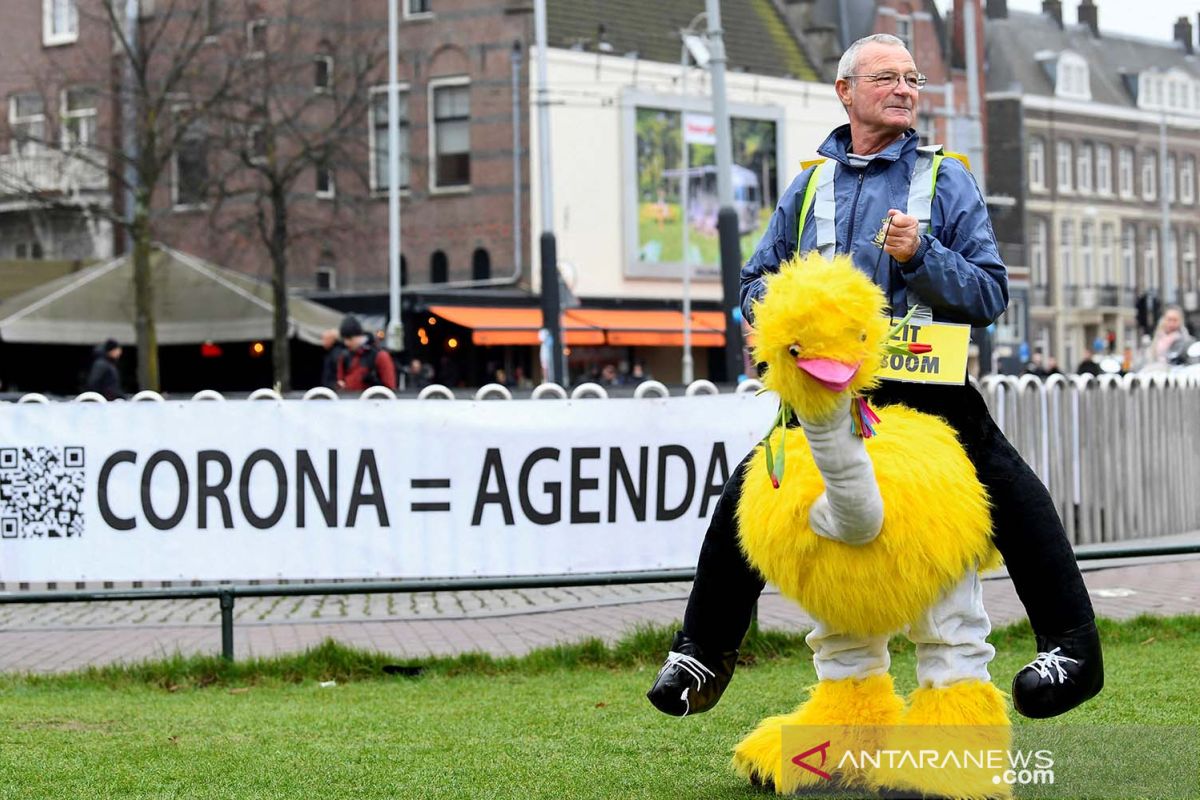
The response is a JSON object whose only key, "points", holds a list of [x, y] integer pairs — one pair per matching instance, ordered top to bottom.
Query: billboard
{"points": [[673, 194]]}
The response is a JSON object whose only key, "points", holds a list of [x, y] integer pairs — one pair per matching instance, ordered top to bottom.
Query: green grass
{"points": [[568, 722]]}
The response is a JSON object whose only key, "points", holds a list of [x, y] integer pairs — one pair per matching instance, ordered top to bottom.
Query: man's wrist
{"points": [[918, 258]]}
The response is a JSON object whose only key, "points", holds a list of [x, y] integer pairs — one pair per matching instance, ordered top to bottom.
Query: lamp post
{"points": [[693, 44], [395, 332]]}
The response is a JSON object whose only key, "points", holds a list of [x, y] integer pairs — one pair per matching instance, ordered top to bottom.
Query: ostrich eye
{"points": [[862, 337], [794, 351]]}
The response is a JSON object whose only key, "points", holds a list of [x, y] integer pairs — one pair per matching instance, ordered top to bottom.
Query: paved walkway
{"points": [[65, 636]]}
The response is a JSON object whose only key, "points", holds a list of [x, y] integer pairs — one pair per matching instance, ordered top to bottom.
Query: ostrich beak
{"points": [[833, 375]]}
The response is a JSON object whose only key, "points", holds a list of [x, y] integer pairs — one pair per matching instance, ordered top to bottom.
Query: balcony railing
{"points": [[51, 172], [1097, 297]]}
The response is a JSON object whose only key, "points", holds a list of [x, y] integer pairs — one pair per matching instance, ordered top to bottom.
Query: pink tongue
{"points": [[833, 375]]}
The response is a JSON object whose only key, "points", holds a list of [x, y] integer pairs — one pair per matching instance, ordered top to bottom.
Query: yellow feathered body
{"points": [[936, 523], [936, 527]]}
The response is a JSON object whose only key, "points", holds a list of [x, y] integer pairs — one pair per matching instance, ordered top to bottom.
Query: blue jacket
{"points": [[956, 270]]}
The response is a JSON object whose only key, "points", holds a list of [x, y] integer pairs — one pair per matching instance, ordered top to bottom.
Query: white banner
{"points": [[699, 129], [355, 489]]}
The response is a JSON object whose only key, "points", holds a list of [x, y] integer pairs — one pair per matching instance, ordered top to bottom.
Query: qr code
{"points": [[41, 492]]}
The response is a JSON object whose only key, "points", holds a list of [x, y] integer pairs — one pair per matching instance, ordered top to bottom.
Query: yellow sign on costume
{"points": [[939, 354]]}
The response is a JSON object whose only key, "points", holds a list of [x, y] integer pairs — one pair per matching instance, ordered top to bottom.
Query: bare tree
{"points": [[160, 76], [291, 131]]}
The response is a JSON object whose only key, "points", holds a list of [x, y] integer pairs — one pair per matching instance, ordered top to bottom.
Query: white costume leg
{"points": [[850, 510], [951, 636], [838, 656]]}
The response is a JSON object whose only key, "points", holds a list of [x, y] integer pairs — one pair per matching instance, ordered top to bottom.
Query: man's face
{"points": [[880, 107]]}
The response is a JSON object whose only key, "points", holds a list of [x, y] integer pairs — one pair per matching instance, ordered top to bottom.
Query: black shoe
{"points": [[1069, 670], [690, 681]]}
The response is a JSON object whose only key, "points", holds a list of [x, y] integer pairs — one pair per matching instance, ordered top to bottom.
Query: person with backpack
{"points": [[912, 219], [362, 364], [104, 378]]}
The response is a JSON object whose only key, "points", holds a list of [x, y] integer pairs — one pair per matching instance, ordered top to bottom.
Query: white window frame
{"points": [[409, 14], [252, 26], [906, 37], [50, 38], [328, 59], [1072, 79], [435, 84], [65, 116], [32, 145], [1063, 163], [1037, 164], [1083, 168], [1104, 170], [1126, 171], [1149, 176], [1170, 176], [1187, 180], [376, 190], [331, 192], [175, 204], [1066, 251], [1087, 254], [1129, 255], [1189, 260], [1107, 262], [1150, 262], [331, 271], [1038, 274]]}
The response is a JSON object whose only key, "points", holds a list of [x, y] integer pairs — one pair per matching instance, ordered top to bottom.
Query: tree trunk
{"points": [[143, 294], [281, 354]]}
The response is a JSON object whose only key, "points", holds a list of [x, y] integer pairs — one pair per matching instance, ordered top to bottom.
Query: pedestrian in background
{"points": [[1170, 343], [363, 365], [104, 378]]}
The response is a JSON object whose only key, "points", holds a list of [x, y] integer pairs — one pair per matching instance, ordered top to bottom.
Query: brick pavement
{"points": [[59, 637]]}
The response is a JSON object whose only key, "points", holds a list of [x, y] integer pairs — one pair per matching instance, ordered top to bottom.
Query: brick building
{"points": [[1095, 138]]}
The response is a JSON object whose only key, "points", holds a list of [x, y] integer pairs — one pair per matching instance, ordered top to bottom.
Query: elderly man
{"points": [[918, 226]]}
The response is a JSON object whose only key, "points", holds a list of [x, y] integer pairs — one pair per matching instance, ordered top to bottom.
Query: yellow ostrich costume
{"points": [[872, 536]]}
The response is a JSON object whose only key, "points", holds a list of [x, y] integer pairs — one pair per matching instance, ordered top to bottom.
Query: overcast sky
{"points": [[1152, 19]]}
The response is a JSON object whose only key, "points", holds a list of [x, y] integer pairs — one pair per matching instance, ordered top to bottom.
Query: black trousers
{"points": [[1025, 527]]}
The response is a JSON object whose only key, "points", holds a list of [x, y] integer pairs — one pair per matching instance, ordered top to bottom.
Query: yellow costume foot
{"points": [[851, 710], [957, 739]]}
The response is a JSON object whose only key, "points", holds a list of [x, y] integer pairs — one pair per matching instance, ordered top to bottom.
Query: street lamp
{"points": [[694, 45]]}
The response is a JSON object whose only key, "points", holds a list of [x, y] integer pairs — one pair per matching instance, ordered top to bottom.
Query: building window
{"points": [[417, 9], [212, 16], [60, 22], [904, 31], [256, 37], [323, 73], [1071, 79], [78, 118], [26, 122], [927, 128], [379, 137], [450, 139], [256, 144], [190, 163], [1037, 163], [1063, 165], [1083, 169], [1103, 169], [1125, 172], [1149, 174], [1170, 179], [1187, 180], [326, 188], [1107, 232], [1066, 241], [28, 250], [1037, 254], [1171, 256], [1128, 257], [481, 265], [439, 267], [403, 270], [1150, 272], [326, 273], [1087, 277], [1190, 279]]}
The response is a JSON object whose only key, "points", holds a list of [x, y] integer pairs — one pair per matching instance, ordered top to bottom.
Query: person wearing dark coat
{"points": [[104, 378]]}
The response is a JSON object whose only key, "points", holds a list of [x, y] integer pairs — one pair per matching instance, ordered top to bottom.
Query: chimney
{"points": [[997, 9], [1053, 9], [1090, 15], [1183, 34]]}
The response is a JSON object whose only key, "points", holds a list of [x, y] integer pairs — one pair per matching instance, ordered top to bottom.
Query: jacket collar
{"points": [[837, 145]]}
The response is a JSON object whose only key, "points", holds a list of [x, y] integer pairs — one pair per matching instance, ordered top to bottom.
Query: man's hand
{"points": [[902, 238]]}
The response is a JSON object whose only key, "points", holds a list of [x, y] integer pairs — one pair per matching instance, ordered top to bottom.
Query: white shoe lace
{"points": [[1046, 661], [692, 667]]}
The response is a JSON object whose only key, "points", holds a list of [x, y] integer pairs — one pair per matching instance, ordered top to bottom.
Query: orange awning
{"points": [[518, 326], [587, 327], [649, 328]]}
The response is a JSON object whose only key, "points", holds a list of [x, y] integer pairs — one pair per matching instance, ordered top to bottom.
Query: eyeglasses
{"points": [[915, 80]]}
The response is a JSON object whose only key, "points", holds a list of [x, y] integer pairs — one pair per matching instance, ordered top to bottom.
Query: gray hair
{"points": [[848, 65]]}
